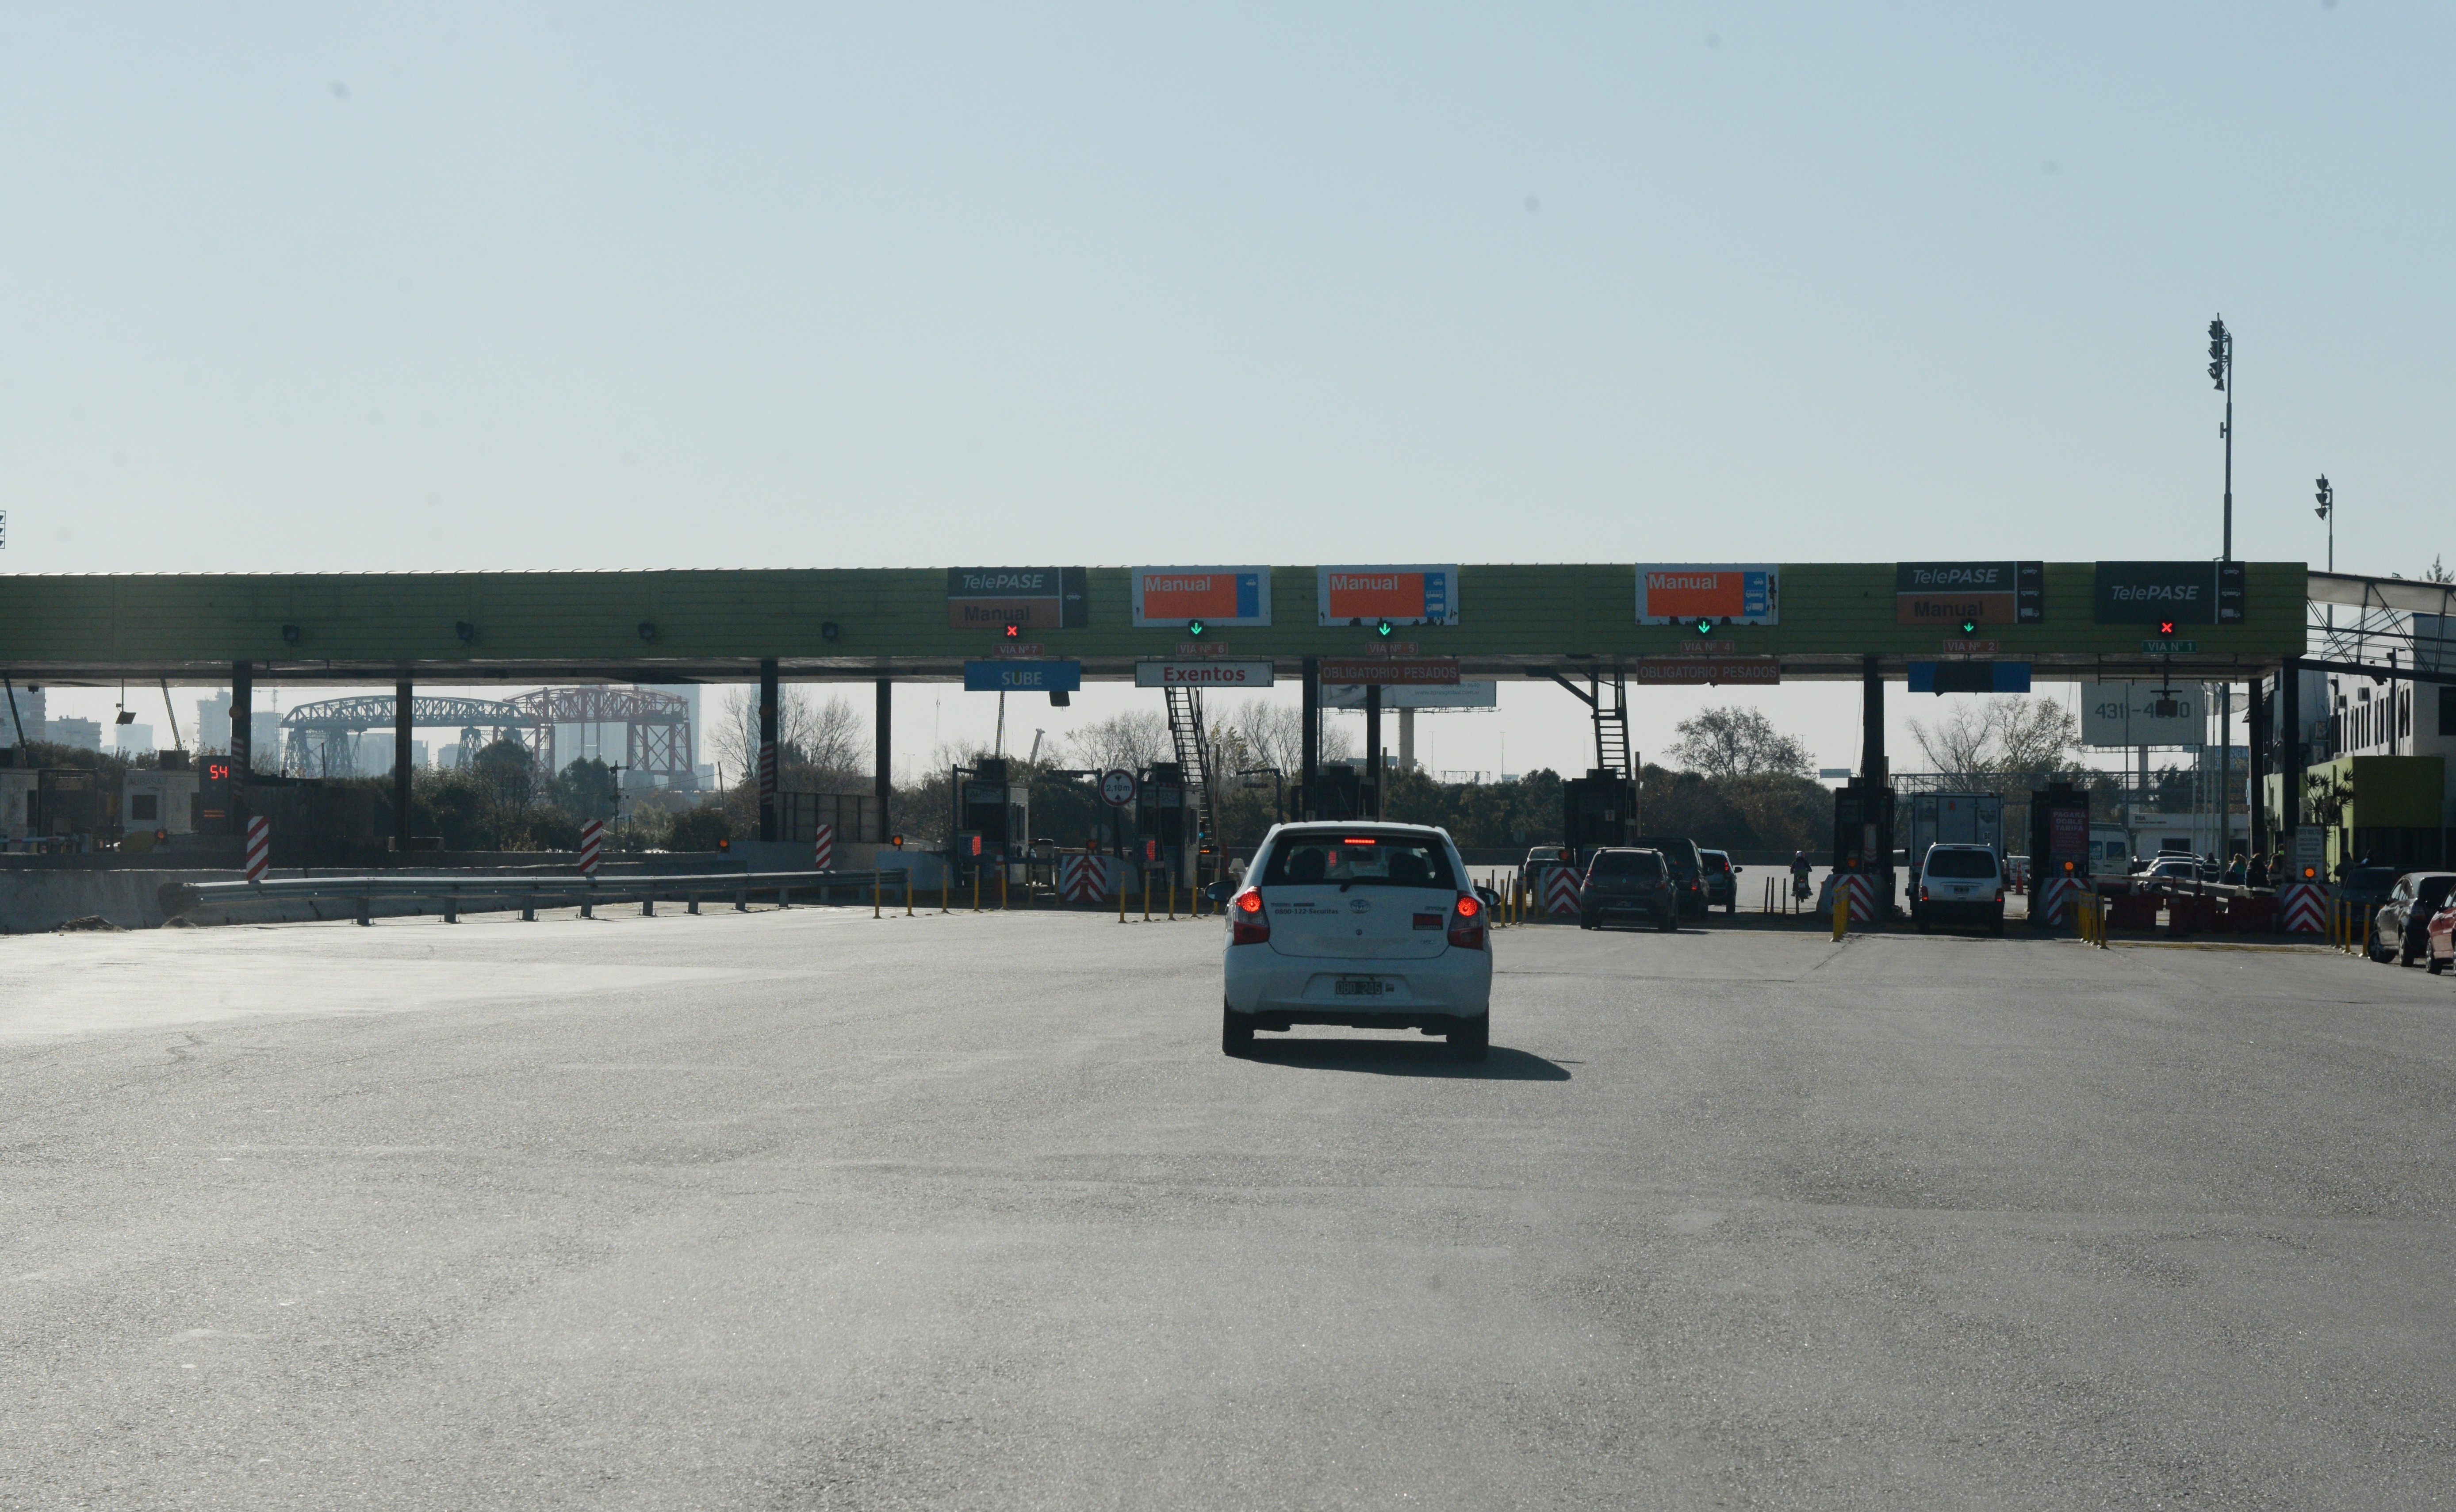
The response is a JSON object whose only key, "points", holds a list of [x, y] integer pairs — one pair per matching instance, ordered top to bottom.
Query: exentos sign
{"points": [[2170, 593], [1952, 594], [1028, 598], [1222, 673], [1022, 677]]}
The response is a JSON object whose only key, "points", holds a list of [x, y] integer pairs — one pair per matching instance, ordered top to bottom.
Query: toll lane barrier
{"points": [[1083, 879], [1861, 891], [1561, 892], [2051, 905], [2303, 908]]}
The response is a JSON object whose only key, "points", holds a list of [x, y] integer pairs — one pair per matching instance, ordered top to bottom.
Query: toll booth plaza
{"points": [[1602, 633], [654, 1181]]}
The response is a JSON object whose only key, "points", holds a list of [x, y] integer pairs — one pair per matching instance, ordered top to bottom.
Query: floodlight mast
{"points": [[2222, 374]]}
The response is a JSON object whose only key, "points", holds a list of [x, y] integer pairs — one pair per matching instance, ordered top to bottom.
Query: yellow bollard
{"points": [[1146, 880], [876, 885], [976, 890], [908, 892], [942, 893], [1121, 894], [1172, 895], [1002, 903], [1841, 913]]}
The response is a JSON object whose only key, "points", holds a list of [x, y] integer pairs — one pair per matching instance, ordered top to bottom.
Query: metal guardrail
{"points": [[482, 892]]}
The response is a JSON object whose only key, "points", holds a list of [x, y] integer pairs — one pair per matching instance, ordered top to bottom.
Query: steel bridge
{"points": [[320, 740]]}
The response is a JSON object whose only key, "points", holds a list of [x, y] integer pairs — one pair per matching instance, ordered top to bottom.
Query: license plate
{"points": [[1359, 986]]}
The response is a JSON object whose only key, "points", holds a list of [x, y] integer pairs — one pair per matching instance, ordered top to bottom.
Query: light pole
{"points": [[2222, 374], [2328, 511]]}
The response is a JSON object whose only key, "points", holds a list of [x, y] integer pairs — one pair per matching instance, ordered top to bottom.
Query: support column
{"points": [[401, 701], [1871, 705], [2259, 709], [1406, 739], [242, 740], [1373, 742], [2289, 745], [1311, 762], [885, 779], [768, 826]]}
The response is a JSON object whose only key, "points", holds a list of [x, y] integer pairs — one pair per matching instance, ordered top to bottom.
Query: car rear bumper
{"points": [[1603, 906], [1965, 911], [1305, 989]]}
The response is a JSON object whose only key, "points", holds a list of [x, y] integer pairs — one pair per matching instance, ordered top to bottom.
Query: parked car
{"points": [[1688, 868], [2178, 869], [1721, 880], [1622, 881], [1958, 884], [2362, 889], [1368, 925], [2400, 927], [2440, 939]]}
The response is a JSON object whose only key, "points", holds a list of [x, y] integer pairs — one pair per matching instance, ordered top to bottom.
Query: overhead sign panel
{"points": [[1674, 593], [2170, 593], [1952, 594], [1399, 595], [1216, 596], [1028, 598], [1397, 671], [1704, 671], [1221, 673], [1022, 677], [1969, 677], [1463, 695], [2114, 714]]}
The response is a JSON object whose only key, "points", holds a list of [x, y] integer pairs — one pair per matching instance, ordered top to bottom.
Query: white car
{"points": [[1371, 925]]}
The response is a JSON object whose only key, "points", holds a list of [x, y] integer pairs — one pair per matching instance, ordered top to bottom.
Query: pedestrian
{"points": [[2256, 875]]}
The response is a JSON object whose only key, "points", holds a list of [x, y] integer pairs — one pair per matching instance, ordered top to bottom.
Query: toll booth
{"points": [[1339, 792], [1596, 810], [995, 811], [1164, 823], [1863, 835], [2058, 847]]}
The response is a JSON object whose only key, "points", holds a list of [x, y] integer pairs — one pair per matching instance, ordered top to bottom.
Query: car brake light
{"points": [[1247, 923], [1466, 926]]}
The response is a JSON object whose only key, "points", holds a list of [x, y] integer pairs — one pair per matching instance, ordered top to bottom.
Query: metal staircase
{"points": [[1611, 719], [1187, 733]]}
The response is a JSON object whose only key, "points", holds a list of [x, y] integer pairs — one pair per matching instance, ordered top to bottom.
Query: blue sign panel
{"points": [[1022, 677], [1969, 677]]}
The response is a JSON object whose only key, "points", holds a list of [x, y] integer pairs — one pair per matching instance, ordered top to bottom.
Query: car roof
{"points": [[1378, 829]]}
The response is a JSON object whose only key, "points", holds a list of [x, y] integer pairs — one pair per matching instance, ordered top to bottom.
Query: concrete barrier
{"points": [[39, 902]]}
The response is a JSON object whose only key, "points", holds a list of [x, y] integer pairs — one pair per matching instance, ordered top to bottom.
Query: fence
{"points": [[481, 893]]}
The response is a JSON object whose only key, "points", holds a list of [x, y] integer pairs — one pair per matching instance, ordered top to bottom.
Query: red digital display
{"points": [[218, 772]]}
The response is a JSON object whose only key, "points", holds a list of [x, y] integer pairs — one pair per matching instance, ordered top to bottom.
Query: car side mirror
{"points": [[1218, 891], [1491, 899]]}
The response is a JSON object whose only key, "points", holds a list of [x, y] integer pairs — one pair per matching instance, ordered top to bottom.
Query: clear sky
{"points": [[503, 286]]}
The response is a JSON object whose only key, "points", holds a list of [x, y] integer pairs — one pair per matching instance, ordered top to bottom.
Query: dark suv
{"points": [[1688, 868], [1624, 881]]}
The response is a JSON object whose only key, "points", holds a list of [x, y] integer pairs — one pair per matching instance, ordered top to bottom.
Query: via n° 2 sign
{"points": [[1022, 677]]}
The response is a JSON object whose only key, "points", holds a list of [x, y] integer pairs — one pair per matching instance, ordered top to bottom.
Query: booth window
{"points": [[2446, 709], [146, 807]]}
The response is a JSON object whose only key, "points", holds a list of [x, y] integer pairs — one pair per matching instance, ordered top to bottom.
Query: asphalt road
{"points": [[806, 1210]]}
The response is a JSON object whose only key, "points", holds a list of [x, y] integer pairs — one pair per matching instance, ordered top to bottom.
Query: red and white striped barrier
{"points": [[767, 774], [592, 841], [259, 848], [823, 848], [1083, 879], [1861, 889], [1561, 890], [2051, 905], [2303, 908]]}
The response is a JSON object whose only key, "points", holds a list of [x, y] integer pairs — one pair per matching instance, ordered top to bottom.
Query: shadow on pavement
{"points": [[1386, 1057]]}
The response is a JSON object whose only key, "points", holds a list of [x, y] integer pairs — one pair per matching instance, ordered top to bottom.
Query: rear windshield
{"points": [[1682, 857], [1716, 860], [1365, 861], [1960, 863], [1627, 864], [2371, 879], [2432, 890]]}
